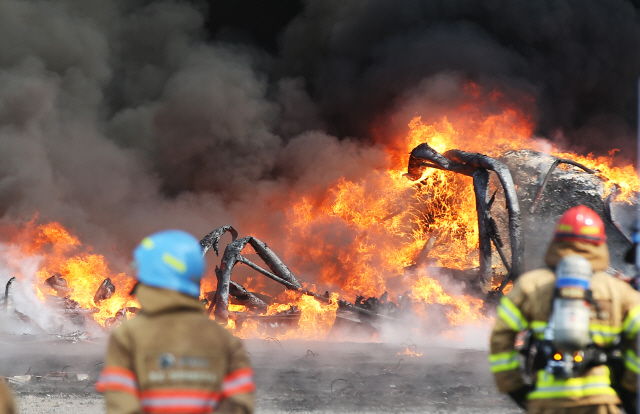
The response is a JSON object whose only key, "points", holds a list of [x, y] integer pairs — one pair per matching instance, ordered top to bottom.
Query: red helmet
{"points": [[580, 224]]}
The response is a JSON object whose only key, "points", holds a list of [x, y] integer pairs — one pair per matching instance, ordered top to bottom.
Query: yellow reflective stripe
{"points": [[590, 230], [147, 243], [173, 262], [511, 315], [631, 323], [538, 325], [538, 328], [601, 334], [604, 334], [504, 361], [631, 361], [547, 379], [549, 387], [576, 392]]}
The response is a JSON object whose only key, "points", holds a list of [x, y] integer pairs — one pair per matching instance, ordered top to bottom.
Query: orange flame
{"points": [[362, 235], [359, 237], [83, 270], [463, 309], [315, 318], [411, 351]]}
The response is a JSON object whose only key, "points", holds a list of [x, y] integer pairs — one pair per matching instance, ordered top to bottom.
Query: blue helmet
{"points": [[170, 259]]}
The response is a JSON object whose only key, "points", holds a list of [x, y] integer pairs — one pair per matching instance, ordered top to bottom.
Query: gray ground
{"points": [[292, 376]]}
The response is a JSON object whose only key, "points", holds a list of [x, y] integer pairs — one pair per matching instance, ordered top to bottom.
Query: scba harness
{"points": [[567, 348]]}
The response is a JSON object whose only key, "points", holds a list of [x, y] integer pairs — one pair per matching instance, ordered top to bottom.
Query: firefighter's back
{"points": [[614, 300], [581, 319], [171, 357], [7, 404]]}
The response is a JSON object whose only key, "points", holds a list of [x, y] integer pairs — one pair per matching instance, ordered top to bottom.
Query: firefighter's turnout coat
{"points": [[528, 307], [170, 358], [7, 404]]}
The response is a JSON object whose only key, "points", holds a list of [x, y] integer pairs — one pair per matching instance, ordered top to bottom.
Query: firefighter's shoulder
{"points": [[534, 280], [617, 283], [602, 284]]}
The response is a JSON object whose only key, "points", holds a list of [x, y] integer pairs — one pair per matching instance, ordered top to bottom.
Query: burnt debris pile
{"points": [[64, 314]]}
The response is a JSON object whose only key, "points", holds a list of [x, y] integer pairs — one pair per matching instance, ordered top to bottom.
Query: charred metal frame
{"points": [[478, 166], [553, 166], [608, 213], [279, 273]]}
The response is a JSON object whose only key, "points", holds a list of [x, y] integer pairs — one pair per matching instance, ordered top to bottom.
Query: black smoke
{"points": [[580, 59], [124, 117]]}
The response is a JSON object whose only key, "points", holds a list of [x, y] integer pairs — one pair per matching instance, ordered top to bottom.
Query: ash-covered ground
{"points": [[291, 376]]}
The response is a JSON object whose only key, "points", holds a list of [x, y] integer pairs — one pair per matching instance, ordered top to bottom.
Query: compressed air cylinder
{"points": [[571, 309]]}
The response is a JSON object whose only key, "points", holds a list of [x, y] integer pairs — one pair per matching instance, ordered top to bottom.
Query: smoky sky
{"points": [[580, 59], [119, 118]]}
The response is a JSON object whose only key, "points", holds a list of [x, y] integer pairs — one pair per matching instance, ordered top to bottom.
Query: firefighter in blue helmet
{"points": [[171, 357]]}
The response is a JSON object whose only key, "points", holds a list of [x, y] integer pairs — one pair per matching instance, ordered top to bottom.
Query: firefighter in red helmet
{"points": [[580, 224], [580, 319]]}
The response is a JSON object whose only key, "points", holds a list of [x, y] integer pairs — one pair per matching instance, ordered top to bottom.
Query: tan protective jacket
{"points": [[528, 306], [170, 358], [7, 404]]}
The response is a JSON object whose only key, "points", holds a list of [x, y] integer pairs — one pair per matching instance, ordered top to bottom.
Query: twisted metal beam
{"points": [[424, 156], [466, 163], [547, 177], [481, 189], [513, 206], [212, 240], [232, 256], [279, 273], [247, 298]]}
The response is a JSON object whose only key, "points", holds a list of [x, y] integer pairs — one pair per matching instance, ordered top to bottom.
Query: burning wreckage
{"points": [[537, 183], [579, 185]]}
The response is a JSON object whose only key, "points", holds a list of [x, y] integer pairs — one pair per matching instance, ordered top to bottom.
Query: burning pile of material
{"points": [[409, 233], [424, 240], [80, 291]]}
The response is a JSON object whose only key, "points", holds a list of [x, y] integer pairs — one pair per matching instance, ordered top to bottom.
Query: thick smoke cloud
{"points": [[579, 58], [125, 117], [119, 119]]}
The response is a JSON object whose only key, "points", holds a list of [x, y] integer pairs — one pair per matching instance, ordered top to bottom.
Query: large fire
{"points": [[383, 221], [358, 237]]}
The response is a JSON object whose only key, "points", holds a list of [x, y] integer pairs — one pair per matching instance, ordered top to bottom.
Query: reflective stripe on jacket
{"points": [[602, 335], [170, 358], [547, 387]]}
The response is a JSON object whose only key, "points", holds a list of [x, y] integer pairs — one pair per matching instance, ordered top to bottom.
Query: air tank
{"points": [[571, 308]]}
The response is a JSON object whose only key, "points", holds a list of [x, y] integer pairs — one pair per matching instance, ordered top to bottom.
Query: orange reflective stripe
{"points": [[117, 379], [237, 382], [179, 400]]}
